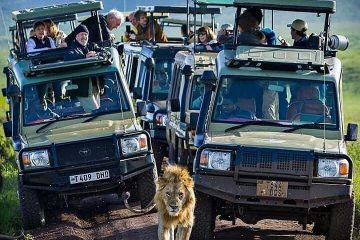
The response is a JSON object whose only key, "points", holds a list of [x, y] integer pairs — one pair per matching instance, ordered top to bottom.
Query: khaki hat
{"points": [[299, 25]]}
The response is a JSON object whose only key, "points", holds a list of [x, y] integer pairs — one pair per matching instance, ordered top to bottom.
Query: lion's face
{"points": [[174, 196]]}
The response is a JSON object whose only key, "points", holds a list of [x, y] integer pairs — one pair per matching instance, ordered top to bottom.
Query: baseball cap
{"points": [[299, 25], [227, 27]]}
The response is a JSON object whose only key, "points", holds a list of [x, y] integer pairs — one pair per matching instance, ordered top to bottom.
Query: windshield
{"points": [[161, 80], [197, 92], [73, 98], [240, 100]]}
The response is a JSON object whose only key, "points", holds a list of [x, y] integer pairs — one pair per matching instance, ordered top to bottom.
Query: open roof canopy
{"points": [[225, 3], [319, 6], [56, 10]]}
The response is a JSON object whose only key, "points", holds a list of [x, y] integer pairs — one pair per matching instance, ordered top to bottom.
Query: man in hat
{"points": [[107, 23], [298, 33], [80, 48]]}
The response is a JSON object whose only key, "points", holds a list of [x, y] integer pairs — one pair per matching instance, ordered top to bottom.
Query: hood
{"points": [[82, 131], [289, 141]]}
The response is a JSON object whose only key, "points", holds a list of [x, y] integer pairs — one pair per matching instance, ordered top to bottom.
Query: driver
{"points": [[80, 48], [228, 108]]}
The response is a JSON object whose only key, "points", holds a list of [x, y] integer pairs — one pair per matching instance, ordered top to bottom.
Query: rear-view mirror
{"points": [[141, 108], [7, 126], [352, 132]]}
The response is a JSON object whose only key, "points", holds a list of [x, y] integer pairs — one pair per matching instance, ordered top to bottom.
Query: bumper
{"points": [[58, 179], [299, 195]]}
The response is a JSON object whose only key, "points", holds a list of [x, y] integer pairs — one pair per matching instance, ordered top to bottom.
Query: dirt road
{"points": [[118, 223]]}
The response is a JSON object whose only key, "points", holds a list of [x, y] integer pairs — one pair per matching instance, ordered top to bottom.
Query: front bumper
{"points": [[58, 179], [299, 195]]}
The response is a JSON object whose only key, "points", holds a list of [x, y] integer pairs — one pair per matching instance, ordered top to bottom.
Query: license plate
{"points": [[89, 177], [268, 188]]}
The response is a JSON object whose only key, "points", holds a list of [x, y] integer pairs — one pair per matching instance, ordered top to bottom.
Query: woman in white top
{"points": [[55, 33], [40, 41]]}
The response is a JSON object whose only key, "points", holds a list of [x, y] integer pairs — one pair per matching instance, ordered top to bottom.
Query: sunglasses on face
{"points": [[202, 33]]}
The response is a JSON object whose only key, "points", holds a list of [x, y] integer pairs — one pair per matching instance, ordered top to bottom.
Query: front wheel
{"points": [[146, 187], [31, 210], [204, 218], [342, 220]]}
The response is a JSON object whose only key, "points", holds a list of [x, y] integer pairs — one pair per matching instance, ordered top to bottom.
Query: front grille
{"points": [[82, 152], [274, 161]]}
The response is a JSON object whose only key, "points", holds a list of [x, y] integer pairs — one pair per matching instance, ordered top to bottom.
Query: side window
{"points": [[197, 92]]}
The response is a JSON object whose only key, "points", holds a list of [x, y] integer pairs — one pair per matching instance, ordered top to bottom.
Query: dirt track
{"points": [[118, 223]]}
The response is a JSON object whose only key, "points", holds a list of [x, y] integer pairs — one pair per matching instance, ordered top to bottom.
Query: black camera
{"points": [[128, 29]]}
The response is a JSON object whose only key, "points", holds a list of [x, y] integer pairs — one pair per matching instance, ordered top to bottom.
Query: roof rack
{"points": [[318, 6], [167, 9], [56, 10], [55, 19], [277, 58], [33, 70]]}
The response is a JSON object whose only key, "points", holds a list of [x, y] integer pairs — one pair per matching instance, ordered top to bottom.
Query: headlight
{"points": [[160, 119], [134, 144], [38, 158], [219, 160], [333, 168]]}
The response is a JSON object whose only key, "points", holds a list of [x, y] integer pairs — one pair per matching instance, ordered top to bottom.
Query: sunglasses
{"points": [[202, 33]]}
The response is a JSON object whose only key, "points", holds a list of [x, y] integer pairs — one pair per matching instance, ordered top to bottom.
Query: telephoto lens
{"points": [[338, 42]]}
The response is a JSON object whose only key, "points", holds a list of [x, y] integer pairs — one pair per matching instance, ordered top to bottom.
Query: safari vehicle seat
{"points": [[308, 106]]}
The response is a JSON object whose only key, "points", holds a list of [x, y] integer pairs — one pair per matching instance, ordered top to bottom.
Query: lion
{"points": [[175, 202]]}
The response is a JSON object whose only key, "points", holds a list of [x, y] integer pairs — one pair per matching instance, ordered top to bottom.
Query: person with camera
{"points": [[131, 32], [298, 33], [225, 34], [81, 48]]}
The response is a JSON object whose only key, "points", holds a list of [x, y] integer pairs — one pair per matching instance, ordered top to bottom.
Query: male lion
{"points": [[175, 202]]}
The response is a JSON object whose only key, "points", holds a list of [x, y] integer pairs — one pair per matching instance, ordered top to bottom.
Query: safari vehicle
{"points": [[152, 88], [184, 102], [73, 126], [273, 142]]}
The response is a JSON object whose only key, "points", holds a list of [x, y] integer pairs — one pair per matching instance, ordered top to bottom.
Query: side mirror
{"points": [[149, 63], [187, 70], [208, 77], [3, 90], [13, 91], [137, 93], [175, 105], [141, 108], [7, 126], [352, 132]]}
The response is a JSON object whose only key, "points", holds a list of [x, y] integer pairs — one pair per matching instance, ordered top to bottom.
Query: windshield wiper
{"points": [[99, 114], [259, 122], [46, 125], [306, 125]]}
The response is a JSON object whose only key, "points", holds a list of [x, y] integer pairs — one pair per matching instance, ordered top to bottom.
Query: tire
{"points": [[159, 154], [146, 187], [32, 212], [204, 218], [342, 221], [321, 227]]}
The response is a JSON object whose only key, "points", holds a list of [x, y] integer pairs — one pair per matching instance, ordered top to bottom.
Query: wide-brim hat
{"points": [[299, 25]]}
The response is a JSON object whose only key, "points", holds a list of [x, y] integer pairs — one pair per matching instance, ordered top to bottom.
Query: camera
{"points": [[128, 29], [338, 42]]}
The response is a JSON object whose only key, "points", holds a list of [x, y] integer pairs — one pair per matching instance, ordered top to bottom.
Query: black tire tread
{"points": [[146, 187]]}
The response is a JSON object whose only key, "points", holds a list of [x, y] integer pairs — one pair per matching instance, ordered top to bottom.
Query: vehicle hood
{"points": [[81, 131], [289, 141]]}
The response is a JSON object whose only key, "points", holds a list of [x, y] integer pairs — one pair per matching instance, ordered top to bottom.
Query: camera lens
{"points": [[338, 42]]}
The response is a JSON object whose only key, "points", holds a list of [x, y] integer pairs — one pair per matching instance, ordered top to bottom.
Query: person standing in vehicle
{"points": [[107, 23], [131, 30], [53, 31], [145, 31], [298, 33], [40, 41], [80, 47]]}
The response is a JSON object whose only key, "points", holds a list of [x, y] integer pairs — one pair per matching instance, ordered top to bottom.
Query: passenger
{"points": [[107, 23], [144, 29], [131, 30], [53, 31], [249, 31], [269, 33], [298, 33], [184, 34], [225, 34], [206, 40], [40, 41], [80, 48], [161, 78], [196, 104], [228, 108]]}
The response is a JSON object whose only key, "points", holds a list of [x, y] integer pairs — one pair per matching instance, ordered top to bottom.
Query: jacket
{"points": [[93, 27], [146, 35], [78, 51]]}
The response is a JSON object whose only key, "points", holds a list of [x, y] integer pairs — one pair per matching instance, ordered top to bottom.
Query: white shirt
{"points": [[30, 46]]}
